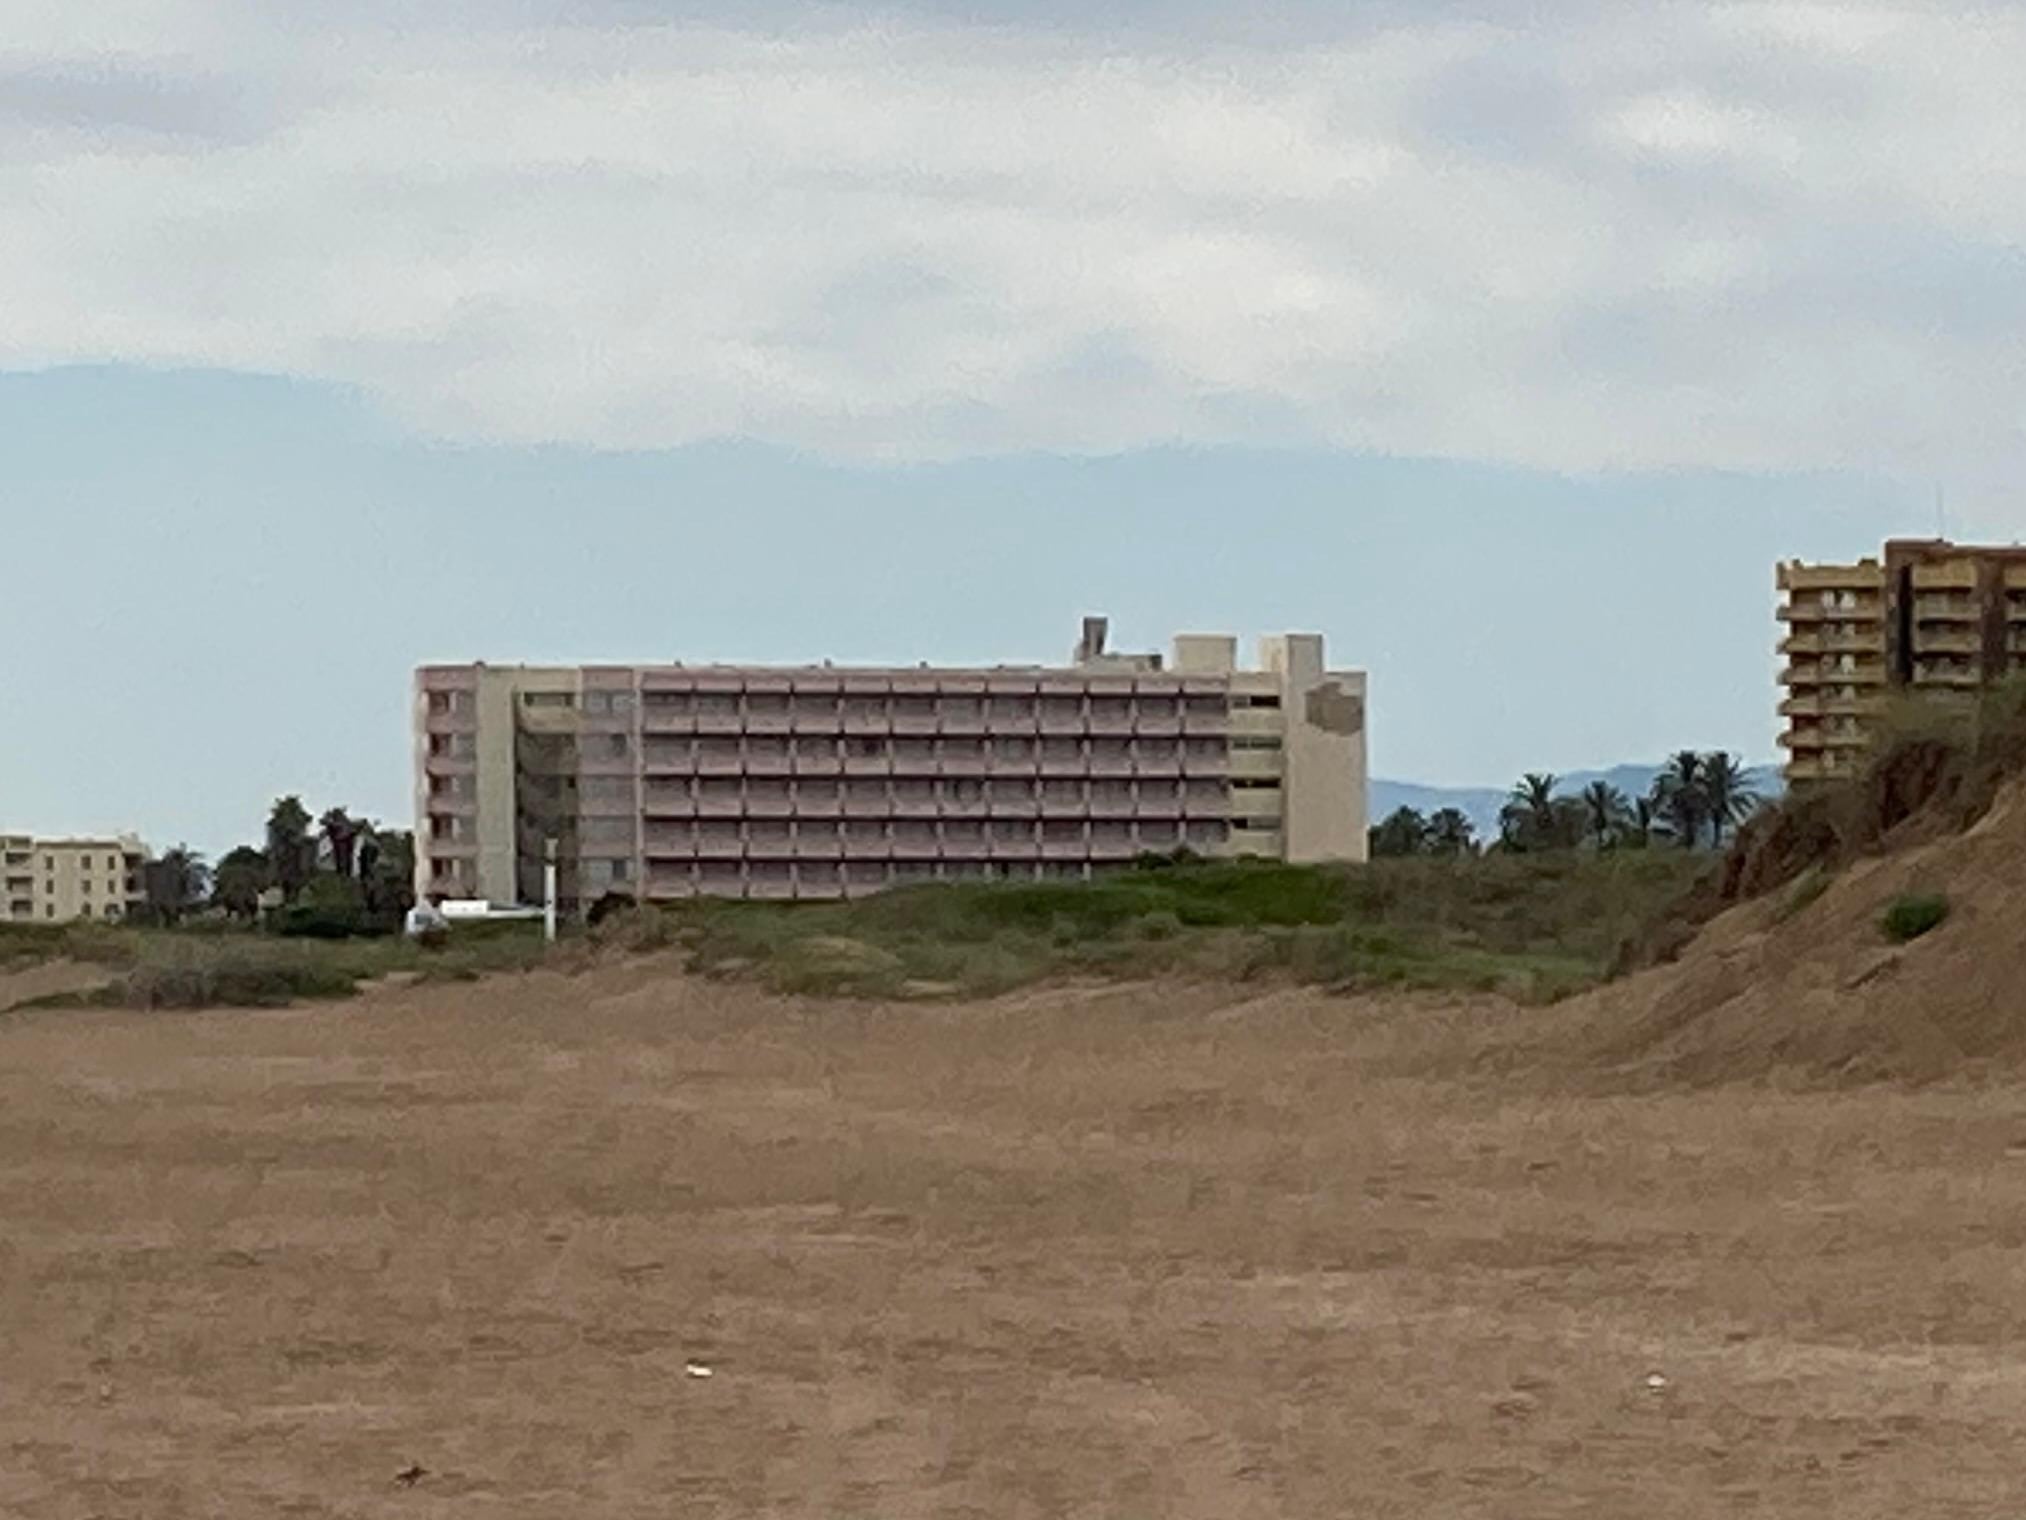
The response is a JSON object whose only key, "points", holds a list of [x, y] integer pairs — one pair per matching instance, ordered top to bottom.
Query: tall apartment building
{"points": [[1927, 616], [671, 781], [57, 880]]}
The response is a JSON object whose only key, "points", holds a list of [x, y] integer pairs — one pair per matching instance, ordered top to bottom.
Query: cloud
{"points": [[1748, 236]]}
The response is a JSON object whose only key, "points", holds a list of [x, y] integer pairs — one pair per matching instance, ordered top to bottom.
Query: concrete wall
{"points": [[1323, 741]]}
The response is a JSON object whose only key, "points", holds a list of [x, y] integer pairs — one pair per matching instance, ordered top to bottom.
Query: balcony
{"points": [[1955, 575], [1946, 609], [1804, 612], [1940, 639], [1827, 641], [1947, 677], [1820, 705], [817, 843]]}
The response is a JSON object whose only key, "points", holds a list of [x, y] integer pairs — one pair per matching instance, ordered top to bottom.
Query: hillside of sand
{"points": [[1793, 990]]}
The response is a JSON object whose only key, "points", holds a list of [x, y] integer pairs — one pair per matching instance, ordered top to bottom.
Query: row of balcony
{"points": [[1946, 608], [1866, 611], [1948, 637], [1827, 641], [1827, 673], [1818, 705], [848, 724], [1803, 737], [1121, 768], [1172, 805], [818, 852]]}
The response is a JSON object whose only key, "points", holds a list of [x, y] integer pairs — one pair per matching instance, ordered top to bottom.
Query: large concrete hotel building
{"points": [[1926, 616], [670, 781]]}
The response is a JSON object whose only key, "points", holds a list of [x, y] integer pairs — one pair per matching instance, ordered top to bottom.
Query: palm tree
{"points": [[1729, 795], [1677, 797], [1604, 813], [1529, 820], [1640, 824], [1402, 832], [1450, 833], [341, 836], [289, 856], [175, 883]]}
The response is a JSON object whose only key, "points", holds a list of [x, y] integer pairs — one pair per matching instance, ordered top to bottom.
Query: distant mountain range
{"points": [[1481, 804]]}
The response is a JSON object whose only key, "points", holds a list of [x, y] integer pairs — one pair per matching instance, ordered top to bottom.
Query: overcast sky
{"points": [[1420, 323]]}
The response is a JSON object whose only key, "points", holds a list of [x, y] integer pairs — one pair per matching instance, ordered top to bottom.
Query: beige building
{"points": [[1927, 616], [672, 781], [58, 880]]}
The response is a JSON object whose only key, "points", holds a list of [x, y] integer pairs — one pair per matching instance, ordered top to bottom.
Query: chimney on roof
{"points": [[1096, 631]]}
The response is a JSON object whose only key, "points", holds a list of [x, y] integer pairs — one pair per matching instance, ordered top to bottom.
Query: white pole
{"points": [[549, 891]]}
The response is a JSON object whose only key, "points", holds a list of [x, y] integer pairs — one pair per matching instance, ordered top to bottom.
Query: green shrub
{"points": [[330, 907], [1913, 914]]}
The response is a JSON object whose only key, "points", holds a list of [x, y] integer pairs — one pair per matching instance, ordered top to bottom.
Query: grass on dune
{"points": [[1536, 927], [202, 966]]}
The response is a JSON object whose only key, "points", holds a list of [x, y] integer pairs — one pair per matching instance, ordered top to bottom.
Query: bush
{"points": [[329, 907], [1913, 914], [233, 980]]}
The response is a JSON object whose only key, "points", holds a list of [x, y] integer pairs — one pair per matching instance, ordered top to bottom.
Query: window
{"points": [[548, 699], [1270, 699], [439, 701], [1256, 741], [615, 746], [1256, 784], [49, 862], [112, 862], [622, 870], [85, 886], [49, 910]]}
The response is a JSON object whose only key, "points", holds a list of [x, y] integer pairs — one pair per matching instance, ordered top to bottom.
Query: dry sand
{"points": [[1140, 1252]]}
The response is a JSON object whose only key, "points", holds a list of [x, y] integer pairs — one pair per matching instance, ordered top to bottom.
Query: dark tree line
{"points": [[1697, 799], [333, 874]]}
